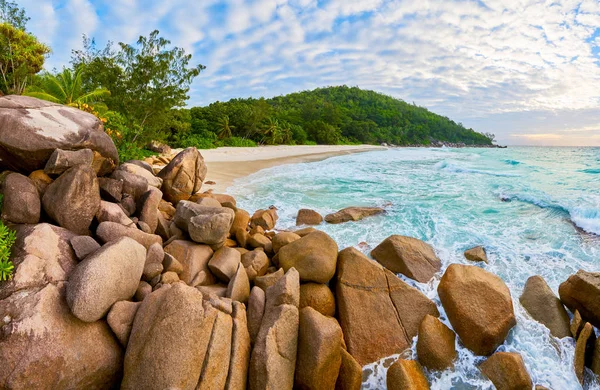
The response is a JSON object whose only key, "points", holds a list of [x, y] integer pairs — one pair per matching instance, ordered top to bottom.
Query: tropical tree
{"points": [[11, 13], [21, 57], [67, 88], [225, 129], [272, 134]]}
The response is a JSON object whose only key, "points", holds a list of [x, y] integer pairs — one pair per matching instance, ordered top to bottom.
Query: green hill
{"points": [[333, 115]]}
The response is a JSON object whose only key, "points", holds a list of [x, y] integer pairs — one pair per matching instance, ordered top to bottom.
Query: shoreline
{"points": [[226, 164]]}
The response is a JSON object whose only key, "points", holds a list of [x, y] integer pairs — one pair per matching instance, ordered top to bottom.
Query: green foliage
{"points": [[11, 13], [21, 57], [146, 80], [66, 88], [333, 115], [116, 126], [198, 141], [236, 142], [7, 239]]}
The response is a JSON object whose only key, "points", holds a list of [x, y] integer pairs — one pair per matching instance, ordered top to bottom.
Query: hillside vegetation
{"points": [[333, 115]]}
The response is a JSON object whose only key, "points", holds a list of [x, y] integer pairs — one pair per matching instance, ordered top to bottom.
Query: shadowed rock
{"points": [[21, 201], [541, 303]]}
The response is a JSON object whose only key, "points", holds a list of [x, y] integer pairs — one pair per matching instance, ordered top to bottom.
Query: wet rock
{"points": [[31, 129], [61, 160], [183, 176], [73, 199], [21, 202], [352, 214], [308, 217], [110, 231], [305, 231], [83, 246], [476, 254], [408, 256], [314, 257], [194, 258], [224, 263], [256, 263], [108, 275], [364, 291], [582, 292], [319, 297], [478, 305], [544, 307], [120, 319], [576, 325], [436, 344], [584, 350], [319, 351], [507, 371], [406, 375]]}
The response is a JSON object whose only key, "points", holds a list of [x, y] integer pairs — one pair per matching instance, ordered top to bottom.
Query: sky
{"points": [[525, 70]]}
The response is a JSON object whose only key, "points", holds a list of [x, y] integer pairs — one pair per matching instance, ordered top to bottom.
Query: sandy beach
{"points": [[228, 163]]}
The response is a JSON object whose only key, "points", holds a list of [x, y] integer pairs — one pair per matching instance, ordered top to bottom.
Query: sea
{"points": [[536, 210]]}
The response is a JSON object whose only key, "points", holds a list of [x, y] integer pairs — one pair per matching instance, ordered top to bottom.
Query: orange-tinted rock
{"points": [[436, 344], [507, 371], [406, 375]]}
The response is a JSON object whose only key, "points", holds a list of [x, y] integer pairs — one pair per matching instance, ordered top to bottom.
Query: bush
{"points": [[198, 141], [236, 142], [310, 143], [7, 239]]}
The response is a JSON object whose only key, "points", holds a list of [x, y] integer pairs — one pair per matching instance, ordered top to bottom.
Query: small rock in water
{"points": [[352, 214], [308, 217], [476, 254]]}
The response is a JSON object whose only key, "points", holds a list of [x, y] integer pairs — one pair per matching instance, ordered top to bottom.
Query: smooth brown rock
{"points": [[31, 129], [61, 160], [138, 170], [183, 176], [40, 180], [133, 185], [110, 189], [73, 199], [21, 200], [210, 202], [128, 204], [148, 207], [112, 212], [352, 214], [308, 217], [266, 219], [241, 221], [205, 225], [110, 231], [305, 231], [282, 239], [259, 240], [83, 246], [155, 254], [476, 254], [408, 256], [314, 257], [194, 258], [170, 263], [224, 263], [256, 263], [152, 270], [110, 274], [169, 278], [268, 280], [238, 288], [219, 290], [142, 291], [364, 291], [581, 292], [319, 297], [478, 305], [544, 307], [256, 310], [120, 319], [576, 325], [43, 345], [436, 347], [240, 350], [584, 350], [319, 351], [159, 353], [273, 359], [216, 362], [507, 371], [406, 375], [350, 376]]}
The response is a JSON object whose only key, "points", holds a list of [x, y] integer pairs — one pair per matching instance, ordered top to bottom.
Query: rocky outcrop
{"points": [[31, 129], [61, 160], [141, 171], [183, 176], [73, 199], [21, 202], [352, 214], [308, 217], [266, 219], [205, 225], [110, 231], [282, 239], [476, 254], [408, 256], [314, 257], [194, 259], [224, 263], [256, 263], [110, 274], [238, 288], [364, 291], [582, 292], [319, 297], [478, 305], [544, 307], [120, 319], [436, 347], [319, 351], [273, 360], [507, 371], [406, 375], [350, 376]]}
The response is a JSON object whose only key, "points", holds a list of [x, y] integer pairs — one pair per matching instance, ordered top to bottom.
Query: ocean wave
{"points": [[512, 162], [446, 166], [590, 170]]}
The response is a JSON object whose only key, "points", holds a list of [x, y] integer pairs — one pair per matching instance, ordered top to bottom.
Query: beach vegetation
{"points": [[7, 239]]}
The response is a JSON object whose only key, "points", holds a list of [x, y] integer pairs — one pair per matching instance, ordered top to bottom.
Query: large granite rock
{"points": [[31, 129], [61, 160], [138, 170], [183, 176], [73, 199], [21, 202], [352, 214], [308, 217], [205, 225], [110, 231], [408, 256], [314, 257], [194, 259], [256, 263], [109, 275], [366, 291], [582, 292], [319, 297], [541, 303], [478, 305], [256, 310], [43, 345], [436, 347], [240, 350], [319, 351], [160, 354], [273, 359], [216, 361], [507, 371], [406, 375], [350, 376]]}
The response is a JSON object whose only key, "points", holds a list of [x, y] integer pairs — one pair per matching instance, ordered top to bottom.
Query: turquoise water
{"points": [[536, 210]]}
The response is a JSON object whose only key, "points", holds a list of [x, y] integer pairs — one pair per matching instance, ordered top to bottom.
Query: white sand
{"points": [[227, 164]]}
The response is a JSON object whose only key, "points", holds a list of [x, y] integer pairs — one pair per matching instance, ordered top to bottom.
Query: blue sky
{"points": [[526, 70]]}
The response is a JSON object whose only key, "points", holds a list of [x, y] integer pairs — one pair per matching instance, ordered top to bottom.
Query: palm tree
{"points": [[66, 88], [225, 128], [272, 134]]}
